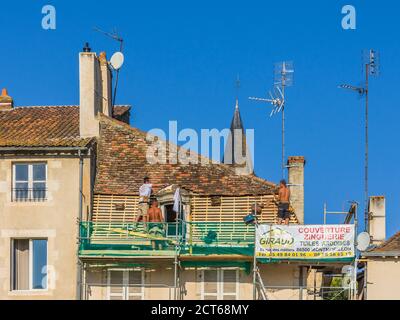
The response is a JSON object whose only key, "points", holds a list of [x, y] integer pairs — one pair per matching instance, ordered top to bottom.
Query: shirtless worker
{"points": [[283, 205], [156, 226]]}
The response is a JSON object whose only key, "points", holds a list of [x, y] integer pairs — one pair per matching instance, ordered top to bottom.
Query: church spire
{"points": [[237, 91], [237, 142]]}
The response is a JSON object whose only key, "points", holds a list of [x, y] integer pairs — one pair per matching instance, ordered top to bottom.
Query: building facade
{"points": [[69, 181], [382, 263]]}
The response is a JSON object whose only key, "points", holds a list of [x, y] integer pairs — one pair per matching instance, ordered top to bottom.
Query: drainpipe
{"points": [[79, 266]]}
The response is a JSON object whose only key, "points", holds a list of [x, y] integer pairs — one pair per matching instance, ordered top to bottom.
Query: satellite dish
{"points": [[117, 60], [363, 241], [347, 269]]}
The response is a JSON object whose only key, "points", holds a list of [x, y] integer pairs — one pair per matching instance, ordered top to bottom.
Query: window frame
{"points": [[30, 182], [30, 266], [125, 283], [220, 283]]}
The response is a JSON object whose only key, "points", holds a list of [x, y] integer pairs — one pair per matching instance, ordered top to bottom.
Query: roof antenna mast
{"points": [[117, 59], [371, 66], [283, 77]]}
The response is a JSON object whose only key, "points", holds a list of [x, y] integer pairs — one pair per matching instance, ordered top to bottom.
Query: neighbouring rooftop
{"points": [[44, 126], [391, 246]]}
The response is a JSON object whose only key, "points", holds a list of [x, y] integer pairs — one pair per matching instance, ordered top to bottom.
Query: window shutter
{"points": [[210, 280], [229, 284], [135, 285], [116, 289]]}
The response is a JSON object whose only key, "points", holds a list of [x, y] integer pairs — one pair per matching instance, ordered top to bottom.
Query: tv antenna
{"points": [[117, 59], [371, 65], [283, 77]]}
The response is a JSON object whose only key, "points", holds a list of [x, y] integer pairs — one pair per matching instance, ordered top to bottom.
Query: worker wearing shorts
{"points": [[284, 204], [143, 206], [283, 210]]}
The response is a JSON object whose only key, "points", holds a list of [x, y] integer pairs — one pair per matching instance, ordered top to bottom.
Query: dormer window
{"points": [[29, 182]]}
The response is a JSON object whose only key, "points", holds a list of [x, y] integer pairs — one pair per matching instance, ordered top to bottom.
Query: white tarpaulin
{"points": [[177, 200], [305, 241]]}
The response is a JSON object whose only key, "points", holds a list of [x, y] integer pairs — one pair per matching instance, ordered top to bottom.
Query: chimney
{"points": [[106, 81], [90, 94], [6, 102], [296, 185], [377, 222]]}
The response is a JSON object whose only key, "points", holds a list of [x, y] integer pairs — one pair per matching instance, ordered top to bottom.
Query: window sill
{"points": [[29, 203], [25, 293]]}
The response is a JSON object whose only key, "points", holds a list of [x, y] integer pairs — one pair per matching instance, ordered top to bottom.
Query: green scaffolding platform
{"points": [[202, 242]]}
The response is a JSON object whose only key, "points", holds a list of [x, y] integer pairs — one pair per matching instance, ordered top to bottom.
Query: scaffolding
{"points": [[182, 245]]}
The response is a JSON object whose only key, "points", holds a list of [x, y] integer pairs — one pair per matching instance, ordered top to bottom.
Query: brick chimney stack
{"points": [[106, 83], [95, 90], [6, 102], [296, 185]]}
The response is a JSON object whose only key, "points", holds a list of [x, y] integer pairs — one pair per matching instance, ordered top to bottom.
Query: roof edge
{"points": [[381, 254]]}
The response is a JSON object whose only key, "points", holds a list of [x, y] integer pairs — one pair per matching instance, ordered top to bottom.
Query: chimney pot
{"points": [[86, 48], [103, 57], [6, 102]]}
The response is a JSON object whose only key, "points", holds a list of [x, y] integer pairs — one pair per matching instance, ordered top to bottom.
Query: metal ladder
{"points": [[262, 293]]}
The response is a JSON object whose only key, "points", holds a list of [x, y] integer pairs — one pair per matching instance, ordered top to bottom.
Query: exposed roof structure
{"points": [[44, 126], [122, 164], [391, 246]]}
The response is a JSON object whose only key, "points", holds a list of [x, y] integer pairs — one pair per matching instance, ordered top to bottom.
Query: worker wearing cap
{"points": [[145, 191], [256, 210]]}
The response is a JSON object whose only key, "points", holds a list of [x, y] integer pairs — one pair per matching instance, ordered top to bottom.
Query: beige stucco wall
{"points": [[55, 219], [157, 278], [383, 279], [158, 282]]}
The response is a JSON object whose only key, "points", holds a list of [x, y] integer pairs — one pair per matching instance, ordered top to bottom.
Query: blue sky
{"points": [[182, 58]]}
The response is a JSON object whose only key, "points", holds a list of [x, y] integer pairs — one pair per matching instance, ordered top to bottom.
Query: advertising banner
{"points": [[305, 242]]}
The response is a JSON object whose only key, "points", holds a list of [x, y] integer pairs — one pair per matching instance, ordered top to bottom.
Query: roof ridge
{"points": [[49, 106], [65, 106]]}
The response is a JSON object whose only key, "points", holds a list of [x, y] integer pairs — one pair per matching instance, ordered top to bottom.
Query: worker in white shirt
{"points": [[145, 191]]}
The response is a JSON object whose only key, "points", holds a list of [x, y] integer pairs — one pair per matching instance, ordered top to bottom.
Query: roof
{"points": [[120, 110], [43, 126], [122, 164], [391, 246]]}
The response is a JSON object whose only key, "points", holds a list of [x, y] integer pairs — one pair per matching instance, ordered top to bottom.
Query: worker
{"points": [[145, 192], [283, 204], [256, 211], [156, 225]]}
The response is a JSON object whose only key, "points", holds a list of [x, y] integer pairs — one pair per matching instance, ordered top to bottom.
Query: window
{"points": [[29, 182], [29, 264], [125, 284], [220, 284]]}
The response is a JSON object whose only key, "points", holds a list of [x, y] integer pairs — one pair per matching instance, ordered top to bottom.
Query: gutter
{"points": [[43, 149], [80, 210], [381, 254]]}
